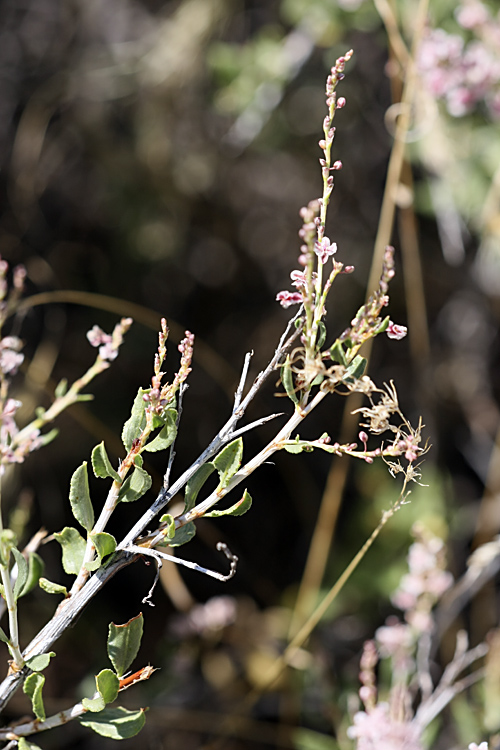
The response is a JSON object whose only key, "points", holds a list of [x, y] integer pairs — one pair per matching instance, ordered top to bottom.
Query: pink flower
{"points": [[471, 15], [325, 249], [289, 298], [396, 332], [10, 357], [377, 729]]}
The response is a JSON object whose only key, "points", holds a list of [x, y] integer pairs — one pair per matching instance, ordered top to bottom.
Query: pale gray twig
{"points": [[159, 555]]}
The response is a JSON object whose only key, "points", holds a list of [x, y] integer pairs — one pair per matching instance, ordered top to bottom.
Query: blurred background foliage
{"points": [[154, 157]]}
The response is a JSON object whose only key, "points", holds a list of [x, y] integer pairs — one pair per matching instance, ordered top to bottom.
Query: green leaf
{"points": [[383, 326], [321, 334], [337, 353], [356, 368], [287, 380], [61, 388], [137, 420], [167, 434], [295, 446], [228, 461], [101, 464], [196, 483], [135, 486], [79, 497], [238, 509], [170, 521], [183, 535], [105, 544], [73, 549], [35, 570], [22, 573], [52, 588], [3, 636], [123, 643], [40, 662], [107, 684], [33, 685], [94, 705], [116, 723], [23, 744]]}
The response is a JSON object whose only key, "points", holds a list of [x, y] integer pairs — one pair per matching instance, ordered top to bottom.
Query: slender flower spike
{"points": [[324, 249], [289, 298], [396, 332]]}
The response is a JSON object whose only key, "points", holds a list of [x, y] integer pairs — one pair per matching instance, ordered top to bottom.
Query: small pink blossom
{"points": [[472, 14], [324, 249], [289, 298], [396, 332], [10, 356], [377, 729], [482, 746]]}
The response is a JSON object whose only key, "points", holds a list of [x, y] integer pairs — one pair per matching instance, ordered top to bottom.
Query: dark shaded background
{"points": [[158, 153]]}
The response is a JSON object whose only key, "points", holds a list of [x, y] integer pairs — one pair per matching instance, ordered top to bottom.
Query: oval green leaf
{"points": [[287, 380], [137, 420], [167, 434], [228, 461], [101, 464], [196, 483], [135, 486], [79, 497], [238, 509], [73, 549], [35, 570], [22, 572], [52, 588], [123, 643], [40, 662], [107, 684], [33, 685], [94, 705], [115, 723]]}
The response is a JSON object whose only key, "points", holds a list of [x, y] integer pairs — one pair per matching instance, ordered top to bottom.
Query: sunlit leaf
{"points": [[287, 380], [137, 420], [167, 434], [228, 461], [101, 464], [196, 483], [135, 486], [79, 497], [238, 509], [105, 544], [73, 549], [35, 570], [22, 573], [52, 588], [123, 643], [40, 662], [107, 684], [33, 685], [115, 723]]}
